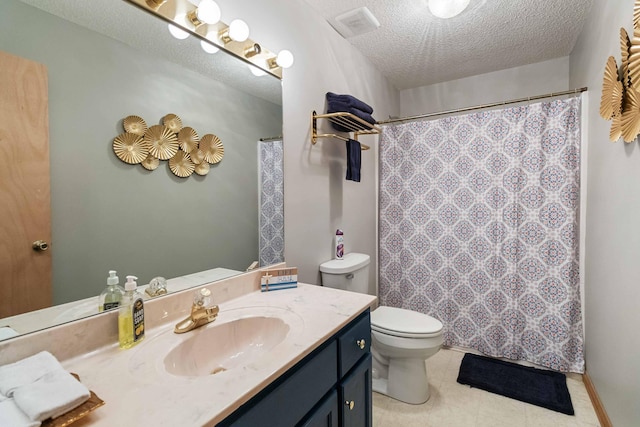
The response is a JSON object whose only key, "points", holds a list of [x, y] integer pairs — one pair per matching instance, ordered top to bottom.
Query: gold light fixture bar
{"points": [[248, 51]]}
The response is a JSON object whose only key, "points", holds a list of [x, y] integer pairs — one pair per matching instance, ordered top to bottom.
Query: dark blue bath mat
{"points": [[536, 386]]}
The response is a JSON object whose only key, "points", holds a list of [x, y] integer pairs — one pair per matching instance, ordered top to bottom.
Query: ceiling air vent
{"points": [[355, 22]]}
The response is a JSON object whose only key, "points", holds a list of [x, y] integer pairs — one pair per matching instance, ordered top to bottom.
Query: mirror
{"points": [[106, 214]]}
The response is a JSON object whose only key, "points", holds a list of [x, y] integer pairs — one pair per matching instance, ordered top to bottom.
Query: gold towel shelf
{"points": [[346, 120]]}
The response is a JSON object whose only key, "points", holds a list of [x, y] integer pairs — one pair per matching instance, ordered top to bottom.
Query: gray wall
{"points": [[110, 215], [612, 281]]}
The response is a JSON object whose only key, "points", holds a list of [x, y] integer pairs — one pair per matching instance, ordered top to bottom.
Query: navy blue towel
{"points": [[351, 101], [341, 107], [353, 160]]}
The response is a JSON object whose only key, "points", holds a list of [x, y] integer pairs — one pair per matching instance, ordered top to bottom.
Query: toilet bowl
{"points": [[401, 340]]}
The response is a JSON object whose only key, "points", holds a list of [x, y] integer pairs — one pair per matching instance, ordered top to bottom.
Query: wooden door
{"points": [[25, 200]]}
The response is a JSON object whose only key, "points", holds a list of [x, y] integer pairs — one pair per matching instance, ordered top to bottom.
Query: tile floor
{"points": [[452, 404]]}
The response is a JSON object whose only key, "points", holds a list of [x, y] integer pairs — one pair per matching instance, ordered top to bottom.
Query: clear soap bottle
{"points": [[111, 296], [131, 315]]}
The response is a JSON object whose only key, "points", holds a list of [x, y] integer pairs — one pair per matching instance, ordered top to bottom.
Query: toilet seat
{"points": [[404, 323]]}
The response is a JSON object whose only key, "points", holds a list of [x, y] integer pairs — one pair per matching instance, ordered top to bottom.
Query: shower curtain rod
{"points": [[479, 107], [271, 138]]}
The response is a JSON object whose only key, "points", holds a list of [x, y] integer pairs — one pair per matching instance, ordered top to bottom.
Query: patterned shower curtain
{"points": [[271, 193], [479, 228]]}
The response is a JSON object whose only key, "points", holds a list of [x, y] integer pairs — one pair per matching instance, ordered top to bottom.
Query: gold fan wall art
{"points": [[620, 100], [611, 101], [169, 141], [130, 148], [212, 148]]}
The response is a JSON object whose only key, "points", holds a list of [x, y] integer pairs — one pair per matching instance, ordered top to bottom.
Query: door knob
{"points": [[40, 246], [350, 404]]}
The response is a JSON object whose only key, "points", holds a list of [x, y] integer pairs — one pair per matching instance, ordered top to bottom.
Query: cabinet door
{"points": [[355, 396], [325, 414]]}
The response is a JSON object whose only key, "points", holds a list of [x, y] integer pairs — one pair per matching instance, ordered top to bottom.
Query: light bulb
{"points": [[447, 8], [208, 12], [238, 30], [176, 32], [208, 47], [284, 59], [256, 71]]}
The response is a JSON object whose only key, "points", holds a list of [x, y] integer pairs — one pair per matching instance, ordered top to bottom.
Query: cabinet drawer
{"points": [[354, 343]]}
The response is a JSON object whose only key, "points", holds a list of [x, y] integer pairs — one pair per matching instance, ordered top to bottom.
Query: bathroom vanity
{"points": [[290, 357], [330, 387]]}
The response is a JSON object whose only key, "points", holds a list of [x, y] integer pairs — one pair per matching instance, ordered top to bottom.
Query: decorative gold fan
{"points": [[636, 15], [625, 47], [634, 59], [612, 90], [631, 116], [173, 122], [135, 125], [616, 129], [188, 139], [162, 142], [130, 148], [212, 148], [197, 156], [150, 163], [181, 165], [203, 168]]}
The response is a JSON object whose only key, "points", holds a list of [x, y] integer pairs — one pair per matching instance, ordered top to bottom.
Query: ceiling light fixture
{"points": [[446, 9], [207, 12]]}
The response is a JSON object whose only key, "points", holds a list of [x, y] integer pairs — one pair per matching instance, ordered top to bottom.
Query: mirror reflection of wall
{"points": [[110, 215]]}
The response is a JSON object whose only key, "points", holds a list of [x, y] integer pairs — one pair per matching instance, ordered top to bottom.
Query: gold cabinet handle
{"points": [[40, 246], [361, 343], [350, 404]]}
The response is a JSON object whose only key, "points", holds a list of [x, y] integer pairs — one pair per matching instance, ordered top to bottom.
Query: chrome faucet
{"points": [[201, 313]]}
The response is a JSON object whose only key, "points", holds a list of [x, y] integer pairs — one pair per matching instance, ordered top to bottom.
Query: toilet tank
{"points": [[350, 273]]}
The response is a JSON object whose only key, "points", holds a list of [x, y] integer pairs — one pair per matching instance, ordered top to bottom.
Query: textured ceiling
{"points": [[130, 25], [413, 48]]}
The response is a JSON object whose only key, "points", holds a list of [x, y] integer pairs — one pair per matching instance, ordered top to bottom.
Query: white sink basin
{"points": [[240, 338], [224, 346]]}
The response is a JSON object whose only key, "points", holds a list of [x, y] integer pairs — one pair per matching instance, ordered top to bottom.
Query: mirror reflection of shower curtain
{"points": [[271, 201]]}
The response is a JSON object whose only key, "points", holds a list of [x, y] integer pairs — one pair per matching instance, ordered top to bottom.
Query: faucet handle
{"points": [[202, 298]]}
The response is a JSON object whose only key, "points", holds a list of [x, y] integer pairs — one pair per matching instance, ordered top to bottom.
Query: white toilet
{"points": [[401, 340]]}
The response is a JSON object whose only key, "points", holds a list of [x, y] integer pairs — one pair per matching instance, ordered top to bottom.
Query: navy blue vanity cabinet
{"points": [[331, 387]]}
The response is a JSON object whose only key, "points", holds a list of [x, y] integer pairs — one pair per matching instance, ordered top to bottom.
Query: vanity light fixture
{"points": [[446, 9], [207, 12], [201, 19], [238, 31], [176, 32], [208, 47], [252, 50], [284, 60], [256, 71]]}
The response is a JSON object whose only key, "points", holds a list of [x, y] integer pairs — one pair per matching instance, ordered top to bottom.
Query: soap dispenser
{"points": [[111, 296], [131, 315]]}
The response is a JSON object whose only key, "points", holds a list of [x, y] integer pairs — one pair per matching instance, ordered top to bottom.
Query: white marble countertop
{"points": [[138, 391]]}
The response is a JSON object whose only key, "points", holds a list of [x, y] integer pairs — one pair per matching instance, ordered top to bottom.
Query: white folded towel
{"points": [[27, 371], [54, 394], [11, 415]]}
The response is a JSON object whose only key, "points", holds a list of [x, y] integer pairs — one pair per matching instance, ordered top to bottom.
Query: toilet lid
{"points": [[404, 323]]}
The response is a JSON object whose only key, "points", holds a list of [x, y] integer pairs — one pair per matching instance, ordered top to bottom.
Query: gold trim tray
{"points": [[74, 415]]}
